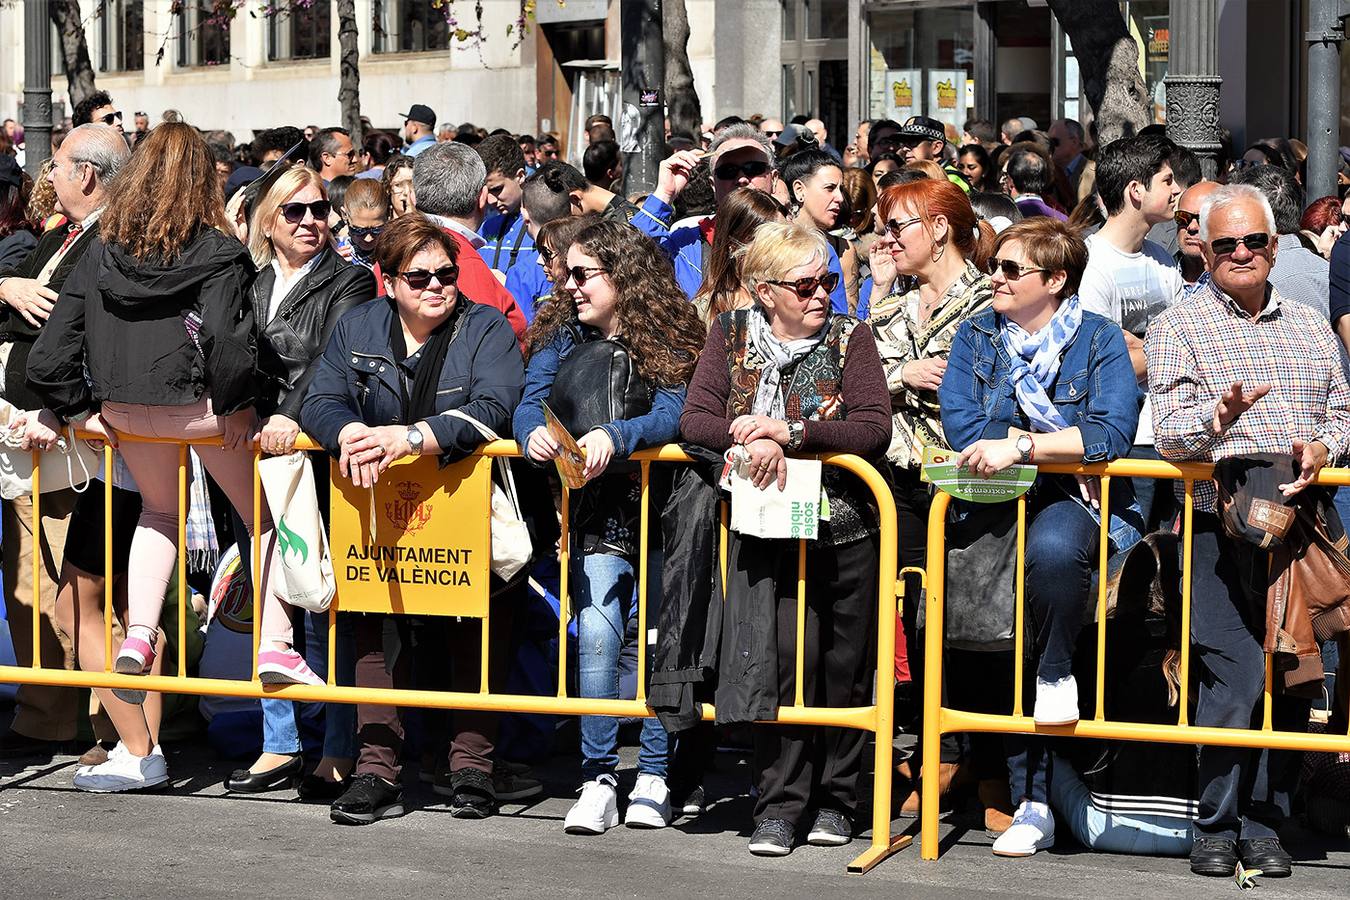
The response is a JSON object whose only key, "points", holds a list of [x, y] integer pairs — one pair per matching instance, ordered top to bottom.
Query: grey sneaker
{"points": [[832, 829], [772, 837]]}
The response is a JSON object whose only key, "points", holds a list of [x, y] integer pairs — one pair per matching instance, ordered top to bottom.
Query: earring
{"points": [[939, 249]]}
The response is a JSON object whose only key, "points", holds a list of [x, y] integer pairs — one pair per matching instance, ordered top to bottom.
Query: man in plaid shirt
{"points": [[1235, 369]]}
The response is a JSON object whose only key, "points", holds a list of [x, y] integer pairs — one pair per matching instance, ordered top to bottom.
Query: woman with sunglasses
{"points": [[814, 182], [367, 204], [743, 210], [927, 280], [620, 287], [303, 288], [390, 372], [789, 376], [1032, 380]]}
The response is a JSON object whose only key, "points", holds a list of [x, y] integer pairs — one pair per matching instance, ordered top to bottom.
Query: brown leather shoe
{"points": [[96, 755], [949, 776], [997, 802]]}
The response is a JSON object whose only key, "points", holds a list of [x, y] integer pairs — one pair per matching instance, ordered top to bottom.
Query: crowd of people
{"points": [[1011, 295]]}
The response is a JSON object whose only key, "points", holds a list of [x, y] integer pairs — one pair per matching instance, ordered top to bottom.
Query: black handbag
{"points": [[598, 383], [980, 586]]}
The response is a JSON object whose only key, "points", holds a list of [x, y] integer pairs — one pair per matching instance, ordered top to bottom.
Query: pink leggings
{"points": [[154, 547]]}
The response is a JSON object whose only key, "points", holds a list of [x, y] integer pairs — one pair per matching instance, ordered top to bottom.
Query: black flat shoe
{"points": [[20, 746], [242, 781], [314, 788], [1267, 855], [1214, 856]]}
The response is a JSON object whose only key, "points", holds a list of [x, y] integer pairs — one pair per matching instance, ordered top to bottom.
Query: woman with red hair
{"points": [[1323, 223]]}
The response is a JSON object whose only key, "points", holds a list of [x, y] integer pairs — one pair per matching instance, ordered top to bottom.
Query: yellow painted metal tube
{"points": [[1187, 530], [644, 542], [1103, 554], [107, 559], [255, 572], [564, 590], [800, 636], [933, 713]]}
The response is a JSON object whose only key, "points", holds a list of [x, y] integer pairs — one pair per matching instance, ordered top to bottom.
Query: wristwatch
{"points": [[796, 434], [415, 440], [1026, 447]]}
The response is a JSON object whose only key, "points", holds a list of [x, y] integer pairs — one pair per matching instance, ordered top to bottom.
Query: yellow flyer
{"points": [[571, 459]]}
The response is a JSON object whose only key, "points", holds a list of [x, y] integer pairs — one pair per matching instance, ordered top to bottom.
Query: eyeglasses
{"points": [[111, 117], [774, 134], [350, 154], [733, 171], [295, 212], [1184, 219], [895, 226], [365, 235], [1257, 240], [546, 255], [1012, 269], [582, 274], [420, 279], [805, 288]]}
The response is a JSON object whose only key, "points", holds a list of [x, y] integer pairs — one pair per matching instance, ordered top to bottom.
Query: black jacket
{"points": [[128, 322], [15, 328], [289, 346]]}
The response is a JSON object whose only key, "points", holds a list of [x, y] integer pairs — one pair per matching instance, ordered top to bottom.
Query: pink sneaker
{"points": [[135, 657], [285, 667]]}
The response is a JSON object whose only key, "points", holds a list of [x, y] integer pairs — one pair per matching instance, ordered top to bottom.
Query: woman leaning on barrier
{"points": [[927, 272], [303, 288], [620, 310], [390, 372], [787, 375], [1037, 380]]}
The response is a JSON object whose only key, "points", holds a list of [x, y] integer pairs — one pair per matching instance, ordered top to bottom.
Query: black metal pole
{"points": [[642, 64], [1193, 81], [37, 84], [1324, 96]]}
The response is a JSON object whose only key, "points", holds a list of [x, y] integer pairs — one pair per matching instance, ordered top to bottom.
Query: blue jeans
{"points": [[605, 592], [283, 720], [1143, 834]]}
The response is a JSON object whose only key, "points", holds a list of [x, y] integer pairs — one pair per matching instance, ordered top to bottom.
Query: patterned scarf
{"points": [[777, 356], [1035, 363], [202, 547]]}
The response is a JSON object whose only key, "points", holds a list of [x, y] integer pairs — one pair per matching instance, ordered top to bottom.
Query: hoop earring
{"points": [[939, 250]]}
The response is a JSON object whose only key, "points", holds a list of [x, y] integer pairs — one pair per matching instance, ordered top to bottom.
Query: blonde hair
{"points": [[287, 185], [778, 247]]}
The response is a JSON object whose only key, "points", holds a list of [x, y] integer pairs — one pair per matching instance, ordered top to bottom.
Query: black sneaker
{"points": [[514, 781], [472, 795], [369, 799], [690, 804], [832, 829], [772, 837], [1267, 855], [1214, 856]]}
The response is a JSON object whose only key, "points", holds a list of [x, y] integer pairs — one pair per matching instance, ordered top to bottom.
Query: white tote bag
{"points": [[69, 464], [511, 546], [303, 575]]}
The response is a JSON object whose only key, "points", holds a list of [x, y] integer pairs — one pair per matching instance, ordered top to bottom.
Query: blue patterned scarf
{"points": [[1035, 363]]}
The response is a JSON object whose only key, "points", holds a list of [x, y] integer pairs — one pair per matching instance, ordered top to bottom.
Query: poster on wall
{"points": [[904, 93], [946, 98]]}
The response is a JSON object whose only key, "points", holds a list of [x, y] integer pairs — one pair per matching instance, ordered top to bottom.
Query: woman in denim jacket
{"points": [[621, 287], [1035, 379]]}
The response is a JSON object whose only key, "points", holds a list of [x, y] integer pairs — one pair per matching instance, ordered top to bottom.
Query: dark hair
{"points": [[84, 110], [598, 119], [727, 120], [879, 125], [982, 130], [496, 131], [600, 131], [282, 139], [525, 139], [547, 139], [324, 141], [379, 146], [1267, 148], [221, 153], [501, 153], [981, 156], [884, 157], [600, 158], [1136, 158], [396, 163], [804, 164], [1186, 167], [1028, 172], [901, 176], [561, 177], [1282, 191], [337, 192], [545, 194], [860, 195], [697, 198], [988, 205], [14, 206], [740, 213], [1320, 215], [1086, 216], [557, 236], [402, 238], [1049, 244]]}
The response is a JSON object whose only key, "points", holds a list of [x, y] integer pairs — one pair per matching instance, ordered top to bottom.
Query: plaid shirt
{"points": [[1203, 344]]}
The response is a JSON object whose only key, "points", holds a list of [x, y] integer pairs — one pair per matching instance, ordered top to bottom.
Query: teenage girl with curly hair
{"points": [[620, 287]]}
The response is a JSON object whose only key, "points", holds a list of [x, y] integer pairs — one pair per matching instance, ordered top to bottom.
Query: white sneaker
{"points": [[1056, 701], [124, 772], [649, 804], [595, 812], [1032, 829]]}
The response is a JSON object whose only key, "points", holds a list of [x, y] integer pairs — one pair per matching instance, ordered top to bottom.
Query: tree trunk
{"points": [[74, 51], [1108, 58], [349, 71], [681, 99]]}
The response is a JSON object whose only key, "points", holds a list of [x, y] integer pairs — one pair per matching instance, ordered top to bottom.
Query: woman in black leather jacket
{"points": [[303, 288]]}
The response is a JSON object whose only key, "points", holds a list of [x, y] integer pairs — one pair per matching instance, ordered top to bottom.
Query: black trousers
{"points": [[803, 765]]}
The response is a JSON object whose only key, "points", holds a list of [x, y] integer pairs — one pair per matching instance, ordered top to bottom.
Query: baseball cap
{"points": [[420, 112], [924, 128]]}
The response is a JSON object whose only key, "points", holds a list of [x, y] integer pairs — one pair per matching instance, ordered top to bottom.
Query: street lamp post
{"points": [[1325, 33], [1193, 80], [37, 84], [641, 130]]}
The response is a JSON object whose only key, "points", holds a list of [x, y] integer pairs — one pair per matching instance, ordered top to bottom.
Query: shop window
{"points": [[826, 19], [409, 26], [301, 31], [204, 33], [121, 35], [922, 63]]}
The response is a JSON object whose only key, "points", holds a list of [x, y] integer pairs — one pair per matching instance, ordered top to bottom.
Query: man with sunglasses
{"points": [[97, 108], [331, 153], [741, 155], [1191, 250], [1299, 274], [1237, 369]]}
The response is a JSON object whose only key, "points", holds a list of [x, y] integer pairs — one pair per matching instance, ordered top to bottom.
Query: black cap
{"points": [[420, 112], [923, 127], [10, 173]]}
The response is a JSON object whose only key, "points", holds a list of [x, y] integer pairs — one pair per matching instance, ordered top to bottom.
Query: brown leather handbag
{"points": [[1308, 600]]}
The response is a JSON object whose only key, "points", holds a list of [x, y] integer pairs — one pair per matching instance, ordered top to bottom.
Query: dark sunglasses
{"points": [[111, 117], [774, 134], [732, 171], [295, 212], [1184, 218], [895, 226], [365, 234], [1257, 240], [546, 255], [1012, 269], [581, 274], [420, 279], [805, 288]]}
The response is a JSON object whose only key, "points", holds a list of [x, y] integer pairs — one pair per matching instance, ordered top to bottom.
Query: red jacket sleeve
{"points": [[477, 282]]}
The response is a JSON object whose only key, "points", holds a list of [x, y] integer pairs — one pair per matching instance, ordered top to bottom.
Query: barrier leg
{"points": [[932, 688]]}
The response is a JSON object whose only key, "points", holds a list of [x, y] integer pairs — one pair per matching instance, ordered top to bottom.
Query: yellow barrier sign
{"points": [[418, 542]]}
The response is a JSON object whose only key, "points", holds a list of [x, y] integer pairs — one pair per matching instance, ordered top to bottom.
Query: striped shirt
{"points": [[1199, 347]]}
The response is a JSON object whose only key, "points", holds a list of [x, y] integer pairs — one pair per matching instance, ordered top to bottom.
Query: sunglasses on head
{"points": [[111, 117], [732, 171], [295, 212], [1184, 218], [1257, 240], [1011, 268], [582, 274], [420, 279], [805, 288]]}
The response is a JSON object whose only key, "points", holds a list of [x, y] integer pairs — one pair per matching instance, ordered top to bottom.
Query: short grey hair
{"points": [[740, 131], [101, 146], [448, 179], [1280, 187], [1229, 195]]}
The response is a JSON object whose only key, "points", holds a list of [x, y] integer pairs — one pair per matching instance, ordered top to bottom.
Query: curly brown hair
{"points": [[164, 195], [657, 323]]}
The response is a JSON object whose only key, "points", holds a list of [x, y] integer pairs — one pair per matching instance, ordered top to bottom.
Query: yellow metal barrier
{"points": [[877, 718], [939, 720]]}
